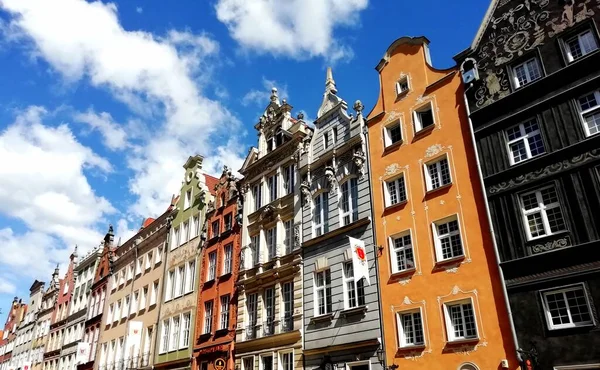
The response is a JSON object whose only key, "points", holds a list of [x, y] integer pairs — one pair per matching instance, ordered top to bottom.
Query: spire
{"points": [[330, 82], [330, 98], [74, 254]]}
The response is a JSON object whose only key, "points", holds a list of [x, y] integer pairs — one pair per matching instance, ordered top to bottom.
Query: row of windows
{"points": [[423, 118], [273, 190], [347, 203], [216, 225], [188, 230], [271, 244], [226, 267], [135, 269], [180, 280], [354, 290], [96, 304], [130, 306], [267, 306], [223, 323], [175, 332], [114, 352], [285, 359]]}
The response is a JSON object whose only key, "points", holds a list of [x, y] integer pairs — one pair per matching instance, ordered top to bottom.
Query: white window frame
{"points": [[578, 36], [528, 73], [399, 90], [589, 112], [418, 125], [334, 135], [387, 135], [525, 139], [326, 140], [437, 162], [289, 178], [273, 184], [398, 190], [257, 196], [188, 199], [319, 201], [542, 209], [352, 213], [195, 225], [288, 229], [185, 232], [271, 237], [175, 238], [437, 238], [255, 249], [394, 251], [158, 257], [227, 259], [149, 261], [211, 272], [190, 276], [353, 280], [179, 281], [324, 288], [563, 290], [169, 293], [154, 294], [143, 297], [224, 312], [208, 313], [450, 328], [174, 334], [401, 335], [164, 336], [184, 339], [266, 354], [280, 355], [244, 363], [350, 365]]}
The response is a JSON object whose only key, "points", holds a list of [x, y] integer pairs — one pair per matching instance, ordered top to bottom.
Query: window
{"points": [[580, 45], [526, 72], [402, 86], [589, 106], [423, 117], [392, 134], [334, 135], [326, 140], [524, 141], [437, 174], [289, 178], [272, 184], [395, 191], [257, 196], [188, 199], [223, 200], [349, 202], [541, 212], [321, 214], [228, 223], [216, 226], [194, 227], [185, 232], [175, 240], [287, 241], [272, 242], [448, 243], [255, 249], [159, 252], [402, 252], [228, 254], [148, 260], [212, 266], [138, 267], [130, 271], [190, 276], [180, 277], [354, 291], [169, 292], [323, 292], [154, 294], [143, 297], [134, 302], [269, 304], [288, 305], [208, 306], [567, 307], [252, 309], [125, 311], [224, 313], [109, 317], [460, 321], [410, 326], [185, 331], [174, 333], [164, 343], [287, 360], [266, 362], [248, 363]]}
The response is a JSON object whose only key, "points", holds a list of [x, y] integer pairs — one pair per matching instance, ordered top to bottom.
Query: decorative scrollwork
{"points": [[551, 245]]}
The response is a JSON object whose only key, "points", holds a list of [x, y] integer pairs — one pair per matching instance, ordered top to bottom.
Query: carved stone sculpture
{"points": [[359, 158], [331, 180], [305, 190]]}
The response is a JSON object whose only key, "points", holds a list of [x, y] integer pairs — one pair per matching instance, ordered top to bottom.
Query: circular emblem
{"points": [[360, 253], [219, 364]]}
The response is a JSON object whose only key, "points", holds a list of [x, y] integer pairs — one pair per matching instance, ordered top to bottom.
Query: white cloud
{"points": [[139, 9], [296, 28], [85, 41], [261, 97], [113, 135], [44, 185], [6, 287]]}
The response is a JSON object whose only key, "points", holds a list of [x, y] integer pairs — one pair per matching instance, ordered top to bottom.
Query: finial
{"points": [[330, 83], [274, 94], [358, 106], [300, 116]]}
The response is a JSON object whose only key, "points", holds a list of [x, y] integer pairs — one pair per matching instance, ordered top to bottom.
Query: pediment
{"points": [[250, 158]]}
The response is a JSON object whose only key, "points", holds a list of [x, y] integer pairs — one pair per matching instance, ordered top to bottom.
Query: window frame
{"points": [[577, 35], [524, 63], [399, 90], [590, 111], [417, 122], [387, 135], [525, 139], [326, 145], [428, 180], [272, 185], [399, 191], [257, 195], [352, 201], [320, 206], [542, 210], [437, 238], [394, 251], [227, 259], [211, 271], [345, 281], [563, 289], [327, 294], [208, 313], [224, 313], [401, 332], [450, 336], [280, 354], [244, 359]]}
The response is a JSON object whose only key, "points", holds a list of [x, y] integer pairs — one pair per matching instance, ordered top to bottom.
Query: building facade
{"points": [[532, 86], [219, 261], [441, 292], [97, 299], [341, 308], [177, 314], [15, 315], [46, 317], [269, 320], [129, 324], [58, 326], [22, 354]]}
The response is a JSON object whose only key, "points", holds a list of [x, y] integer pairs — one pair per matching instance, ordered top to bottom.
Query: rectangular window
{"points": [[580, 45], [526, 72], [402, 86], [589, 107], [423, 117], [392, 134], [334, 135], [326, 140], [524, 141], [437, 174], [289, 178], [272, 183], [395, 191], [257, 196], [188, 199], [349, 202], [542, 213], [321, 214], [228, 222], [194, 227], [288, 227], [216, 228], [185, 232], [175, 240], [272, 242], [448, 242], [255, 249], [159, 252], [402, 252], [227, 259], [148, 260], [138, 266], [212, 266], [130, 271], [190, 276], [180, 277], [169, 286], [287, 291], [354, 291], [323, 293], [153, 296], [143, 297], [134, 302], [269, 304], [208, 306], [567, 307], [252, 309], [125, 311], [224, 313], [109, 317], [460, 321], [410, 326], [185, 330], [164, 343], [173, 345], [287, 360], [266, 362], [248, 363]]}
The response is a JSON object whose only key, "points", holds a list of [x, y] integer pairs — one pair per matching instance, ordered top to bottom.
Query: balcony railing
{"points": [[287, 324], [269, 327], [251, 332]]}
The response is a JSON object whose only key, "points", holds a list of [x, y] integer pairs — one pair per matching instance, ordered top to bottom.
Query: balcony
{"points": [[287, 324], [269, 327], [251, 332]]}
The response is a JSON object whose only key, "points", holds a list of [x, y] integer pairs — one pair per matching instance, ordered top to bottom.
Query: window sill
{"points": [[402, 94], [424, 131], [392, 147], [438, 189], [396, 206], [450, 261], [400, 274], [225, 275], [354, 311], [322, 318], [571, 327], [205, 335], [462, 341], [412, 347]]}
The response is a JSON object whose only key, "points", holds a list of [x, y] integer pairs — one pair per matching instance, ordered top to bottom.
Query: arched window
{"points": [[468, 366]]}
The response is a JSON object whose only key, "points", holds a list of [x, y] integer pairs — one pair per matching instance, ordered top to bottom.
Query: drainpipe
{"points": [[492, 233]]}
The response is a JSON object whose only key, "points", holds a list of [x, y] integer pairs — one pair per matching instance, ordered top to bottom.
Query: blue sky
{"points": [[101, 103]]}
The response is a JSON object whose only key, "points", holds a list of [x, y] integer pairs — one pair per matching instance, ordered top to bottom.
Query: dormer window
{"points": [[580, 45], [526, 72], [402, 86], [279, 138], [326, 140], [270, 145]]}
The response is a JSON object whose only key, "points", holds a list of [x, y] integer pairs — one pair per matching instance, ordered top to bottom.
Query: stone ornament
{"points": [[360, 158], [331, 180], [306, 194]]}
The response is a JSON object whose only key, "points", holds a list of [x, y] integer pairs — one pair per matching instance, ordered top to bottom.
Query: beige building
{"points": [[128, 329]]}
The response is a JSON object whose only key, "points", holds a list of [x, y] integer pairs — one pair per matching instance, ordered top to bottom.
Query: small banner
{"points": [[359, 260], [134, 336], [83, 353]]}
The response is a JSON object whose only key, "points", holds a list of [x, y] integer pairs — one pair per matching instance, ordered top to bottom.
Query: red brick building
{"points": [[217, 297], [17, 312]]}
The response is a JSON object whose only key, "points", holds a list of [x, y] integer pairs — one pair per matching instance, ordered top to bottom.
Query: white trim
{"points": [[570, 58], [528, 72], [399, 91], [590, 111], [417, 124], [387, 138], [523, 138], [437, 161], [388, 195], [541, 209], [350, 213], [321, 228], [436, 237], [392, 249], [323, 288], [563, 289], [450, 328], [401, 337], [266, 354], [279, 358], [253, 362], [349, 365], [578, 367]]}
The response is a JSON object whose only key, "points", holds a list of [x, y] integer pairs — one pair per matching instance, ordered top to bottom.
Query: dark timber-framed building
{"points": [[533, 92]]}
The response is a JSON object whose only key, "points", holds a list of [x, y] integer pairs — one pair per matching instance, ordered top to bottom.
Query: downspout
{"points": [[491, 227]]}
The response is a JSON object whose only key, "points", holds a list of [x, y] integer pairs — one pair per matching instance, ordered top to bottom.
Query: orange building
{"points": [[442, 298]]}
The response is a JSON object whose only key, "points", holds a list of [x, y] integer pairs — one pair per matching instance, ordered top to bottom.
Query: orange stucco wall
{"points": [[431, 284]]}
